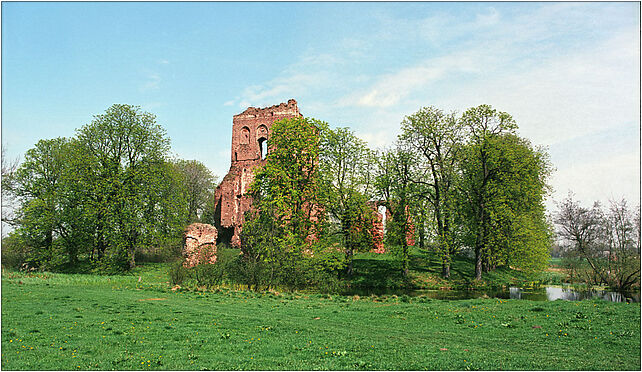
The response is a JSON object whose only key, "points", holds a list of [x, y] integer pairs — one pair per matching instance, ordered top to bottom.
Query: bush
{"points": [[15, 252], [21, 253], [163, 253], [224, 270], [178, 273]]}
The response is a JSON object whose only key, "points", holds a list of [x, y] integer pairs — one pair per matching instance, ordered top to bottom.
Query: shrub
{"points": [[15, 252], [165, 252], [226, 269], [178, 273]]}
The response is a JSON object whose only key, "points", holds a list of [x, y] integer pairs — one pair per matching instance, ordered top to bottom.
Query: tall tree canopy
{"points": [[436, 138], [122, 167], [345, 168], [394, 174], [198, 187], [502, 189], [286, 217]]}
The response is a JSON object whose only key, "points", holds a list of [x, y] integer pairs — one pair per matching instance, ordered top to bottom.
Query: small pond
{"points": [[541, 294]]}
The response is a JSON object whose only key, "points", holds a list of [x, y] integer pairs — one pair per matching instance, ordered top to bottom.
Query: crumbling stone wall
{"points": [[250, 132], [378, 228], [378, 233], [199, 244]]}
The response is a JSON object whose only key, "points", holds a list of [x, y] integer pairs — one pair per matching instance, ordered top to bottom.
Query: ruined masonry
{"points": [[250, 132], [199, 244]]}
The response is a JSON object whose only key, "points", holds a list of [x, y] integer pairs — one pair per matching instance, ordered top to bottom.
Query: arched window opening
{"points": [[261, 131], [245, 135], [263, 148]]}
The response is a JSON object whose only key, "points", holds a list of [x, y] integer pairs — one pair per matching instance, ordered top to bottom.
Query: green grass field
{"points": [[134, 322]]}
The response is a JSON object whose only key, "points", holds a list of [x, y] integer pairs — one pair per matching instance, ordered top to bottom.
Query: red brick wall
{"points": [[248, 129]]}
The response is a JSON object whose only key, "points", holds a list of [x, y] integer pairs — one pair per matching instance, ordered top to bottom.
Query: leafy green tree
{"points": [[436, 138], [121, 161], [345, 163], [393, 180], [289, 182], [198, 186], [40, 187], [106, 193], [501, 193], [286, 194], [165, 211], [521, 236], [264, 256]]}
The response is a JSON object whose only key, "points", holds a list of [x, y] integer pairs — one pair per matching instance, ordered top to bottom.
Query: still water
{"points": [[541, 294]]}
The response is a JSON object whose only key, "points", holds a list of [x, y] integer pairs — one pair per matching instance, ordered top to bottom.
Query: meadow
{"points": [[136, 322]]}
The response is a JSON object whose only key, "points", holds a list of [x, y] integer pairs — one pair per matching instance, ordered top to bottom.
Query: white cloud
{"points": [[487, 19], [558, 69], [152, 82], [390, 89], [566, 96], [151, 106], [610, 178]]}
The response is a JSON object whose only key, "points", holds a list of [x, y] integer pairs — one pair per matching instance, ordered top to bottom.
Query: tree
{"points": [[483, 123], [436, 138], [345, 163], [120, 164], [8, 172], [199, 184], [394, 185], [39, 186], [501, 193], [106, 194], [285, 194], [581, 227], [636, 227], [520, 234], [606, 241], [623, 259]]}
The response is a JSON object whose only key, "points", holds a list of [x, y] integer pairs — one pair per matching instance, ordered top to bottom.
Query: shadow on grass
{"points": [[384, 271], [378, 273]]}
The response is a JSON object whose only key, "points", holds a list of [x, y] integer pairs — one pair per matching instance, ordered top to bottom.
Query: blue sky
{"points": [[568, 72]]}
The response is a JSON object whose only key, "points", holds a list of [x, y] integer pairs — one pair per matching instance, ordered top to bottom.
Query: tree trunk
{"points": [[49, 240], [479, 250], [349, 251], [132, 259], [349, 259], [478, 263], [445, 269], [405, 270]]}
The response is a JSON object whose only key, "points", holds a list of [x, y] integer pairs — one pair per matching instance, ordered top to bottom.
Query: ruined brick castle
{"points": [[250, 132]]}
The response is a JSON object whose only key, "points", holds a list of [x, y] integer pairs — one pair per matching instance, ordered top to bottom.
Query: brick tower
{"points": [[250, 132]]}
